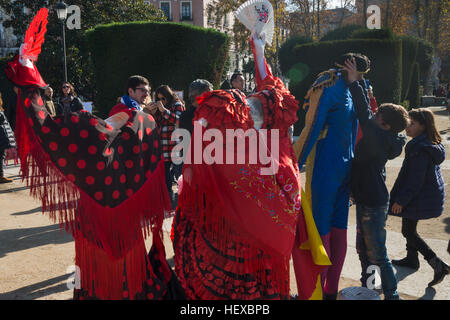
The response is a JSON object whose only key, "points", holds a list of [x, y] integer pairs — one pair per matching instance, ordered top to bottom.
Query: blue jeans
{"points": [[371, 247]]}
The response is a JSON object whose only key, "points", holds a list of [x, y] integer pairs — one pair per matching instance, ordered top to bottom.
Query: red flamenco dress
{"points": [[106, 186], [235, 229]]}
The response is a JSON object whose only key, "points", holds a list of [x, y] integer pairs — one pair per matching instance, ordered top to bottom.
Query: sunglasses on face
{"points": [[65, 87], [142, 90]]}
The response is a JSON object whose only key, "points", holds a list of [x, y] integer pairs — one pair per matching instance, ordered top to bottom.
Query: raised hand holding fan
{"points": [[258, 17]]}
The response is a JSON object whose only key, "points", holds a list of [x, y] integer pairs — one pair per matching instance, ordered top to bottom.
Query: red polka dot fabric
{"points": [[108, 164]]}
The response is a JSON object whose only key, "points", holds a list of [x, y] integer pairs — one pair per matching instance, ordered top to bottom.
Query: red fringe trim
{"points": [[207, 217], [107, 237], [103, 277], [197, 282]]}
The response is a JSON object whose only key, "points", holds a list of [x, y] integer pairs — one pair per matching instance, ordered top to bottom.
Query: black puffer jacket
{"points": [[75, 105], [6, 134], [377, 146], [419, 187]]}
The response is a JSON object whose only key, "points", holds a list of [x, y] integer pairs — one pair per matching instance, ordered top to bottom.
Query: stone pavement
{"points": [[36, 256]]}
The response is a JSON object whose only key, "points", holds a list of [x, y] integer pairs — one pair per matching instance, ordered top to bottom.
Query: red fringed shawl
{"points": [[102, 184]]}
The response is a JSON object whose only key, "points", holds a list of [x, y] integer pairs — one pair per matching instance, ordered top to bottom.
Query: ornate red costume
{"points": [[235, 229]]}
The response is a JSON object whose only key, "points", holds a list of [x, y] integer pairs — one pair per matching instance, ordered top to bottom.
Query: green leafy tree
{"points": [[78, 57]]}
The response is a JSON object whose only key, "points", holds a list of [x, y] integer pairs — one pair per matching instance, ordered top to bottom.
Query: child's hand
{"points": [[350, 67], [396, 208]]}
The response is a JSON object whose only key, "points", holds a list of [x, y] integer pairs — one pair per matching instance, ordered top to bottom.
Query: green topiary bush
{"points": [[342, 33], [381, 34], [166, 53], [409, 55], [425, 55], [414, 94]]}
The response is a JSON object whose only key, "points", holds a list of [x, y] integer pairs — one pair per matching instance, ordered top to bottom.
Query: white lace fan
{"points": [[257, 15]]}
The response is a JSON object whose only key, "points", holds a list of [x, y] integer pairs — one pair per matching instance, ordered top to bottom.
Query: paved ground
{"points": [[36, 256]]}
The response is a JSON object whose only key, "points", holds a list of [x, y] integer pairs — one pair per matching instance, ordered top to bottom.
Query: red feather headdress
{"points": [[21, 70]]}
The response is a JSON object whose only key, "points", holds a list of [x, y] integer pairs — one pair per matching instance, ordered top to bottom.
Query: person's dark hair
{"points": [[362, 62], [234, 76], [134, 81], [225, 85], [200, 86], [72, 89], [167, 93], [394, 115], [425, 117]]}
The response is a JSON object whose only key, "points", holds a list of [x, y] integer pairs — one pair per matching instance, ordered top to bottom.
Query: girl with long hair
{"points": [[418, 192]]}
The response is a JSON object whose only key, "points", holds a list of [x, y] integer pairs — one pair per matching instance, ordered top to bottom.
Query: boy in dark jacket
{"points": [[381, 142]]}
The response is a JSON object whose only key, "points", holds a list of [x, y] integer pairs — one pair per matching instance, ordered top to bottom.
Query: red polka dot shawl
{"points": [[102, 184]]}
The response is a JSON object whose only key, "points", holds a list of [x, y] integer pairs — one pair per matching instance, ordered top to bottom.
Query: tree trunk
{"points": [[364, 9], [318, 19], [418, 20]]}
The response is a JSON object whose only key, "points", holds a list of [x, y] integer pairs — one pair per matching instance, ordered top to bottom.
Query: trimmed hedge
{"points": [[342, 33], [381, 34], [409, 49], [165, 53], [425, 54], [385, 76], [414, 96]]}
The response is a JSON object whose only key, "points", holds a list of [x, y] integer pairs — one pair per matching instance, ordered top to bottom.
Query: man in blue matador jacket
{"points": [[326, 146]]}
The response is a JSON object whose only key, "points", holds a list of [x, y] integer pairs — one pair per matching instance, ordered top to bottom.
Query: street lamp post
{"points": [[61, 11]]}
